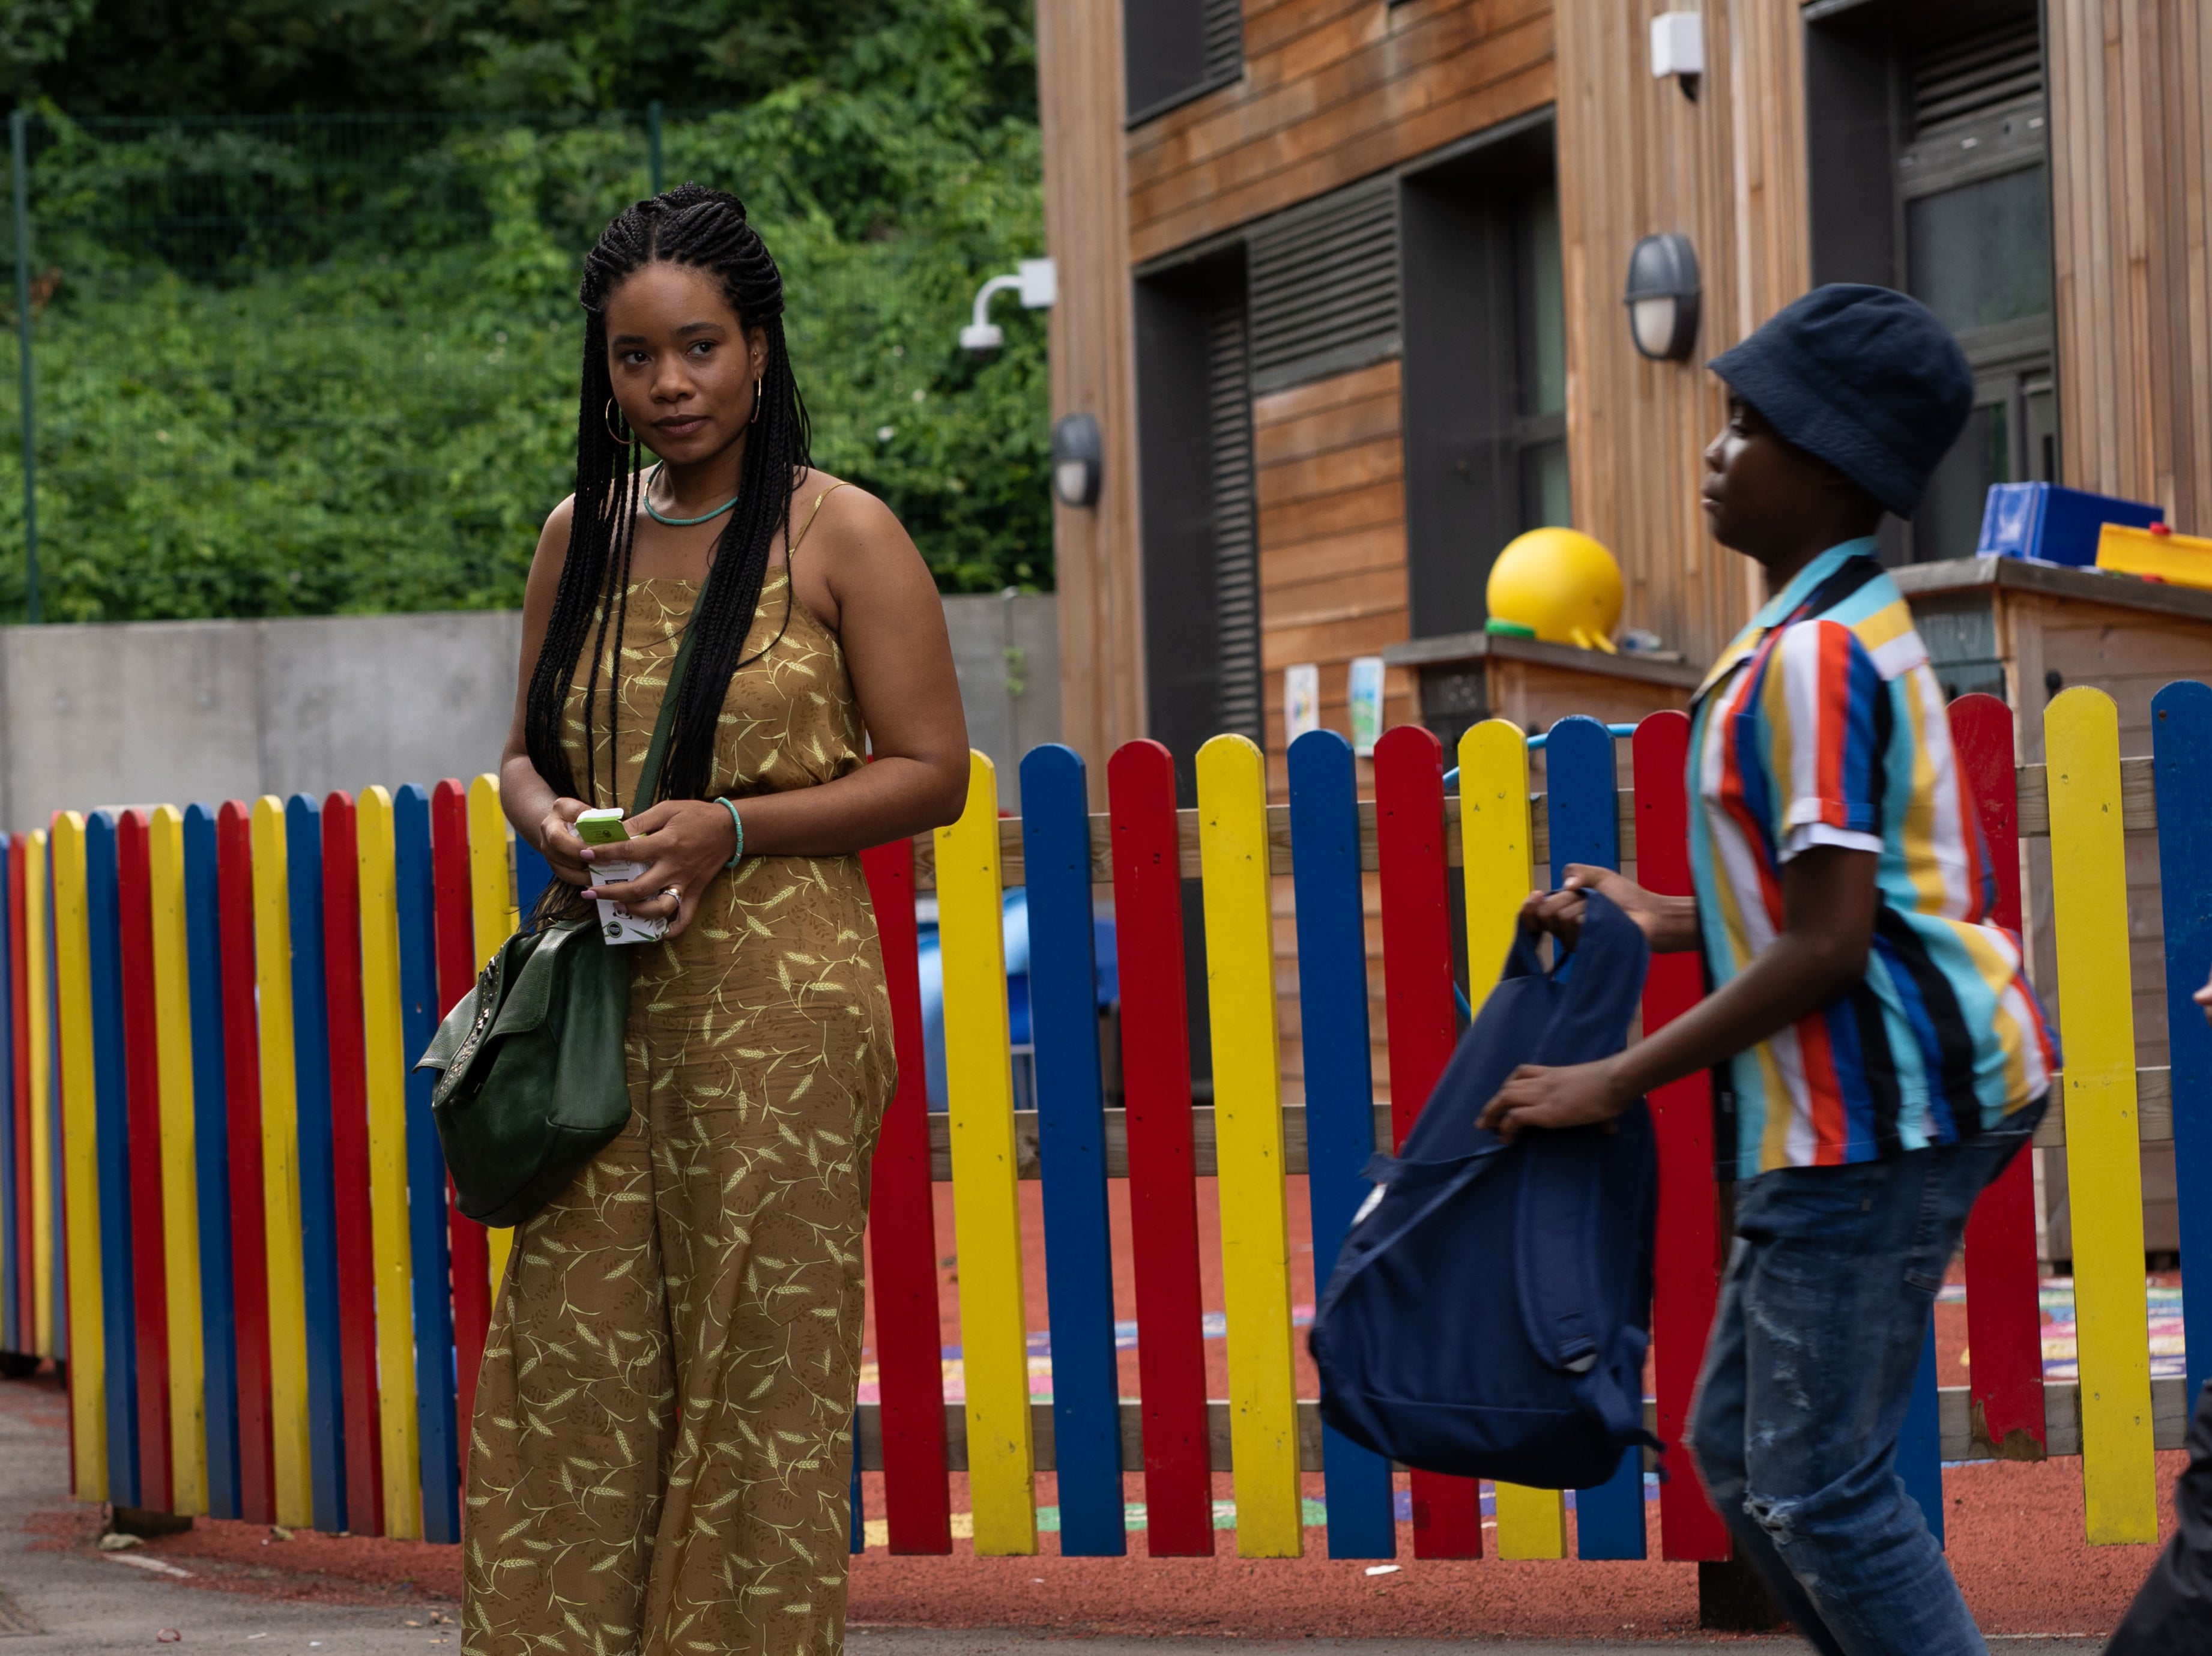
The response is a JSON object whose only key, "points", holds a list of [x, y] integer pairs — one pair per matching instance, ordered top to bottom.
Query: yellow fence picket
{"points": [[1497, 838], [1496, 841], [491, 907], [1248, 1115], [280, 1168], [2103, 1168], [180, 1204], [986, 1219], [389, 1247], [87, 1343]]}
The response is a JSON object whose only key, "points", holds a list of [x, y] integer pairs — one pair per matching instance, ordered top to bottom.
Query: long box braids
{"points": [[708, 229]]}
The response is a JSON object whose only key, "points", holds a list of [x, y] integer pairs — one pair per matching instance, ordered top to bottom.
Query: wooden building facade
{"points": [[1341, 281]]}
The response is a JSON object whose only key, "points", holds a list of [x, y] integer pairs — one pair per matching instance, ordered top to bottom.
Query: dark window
{"points": [[1175, 50], [1961, 219], [1540, 323], [1486, 378], [1194, 460]]}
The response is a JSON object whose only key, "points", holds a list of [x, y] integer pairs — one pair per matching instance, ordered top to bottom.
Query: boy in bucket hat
{"points": [[1880, 1056]]}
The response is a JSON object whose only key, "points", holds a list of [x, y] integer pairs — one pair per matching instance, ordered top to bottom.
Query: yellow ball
{"points": [[1561, 583]]}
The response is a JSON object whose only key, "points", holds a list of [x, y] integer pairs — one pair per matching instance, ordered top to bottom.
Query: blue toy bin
{"points": [[2055, 524]]}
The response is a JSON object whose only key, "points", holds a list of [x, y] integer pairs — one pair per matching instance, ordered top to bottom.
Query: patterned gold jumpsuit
{"points": [[661, 1448]]}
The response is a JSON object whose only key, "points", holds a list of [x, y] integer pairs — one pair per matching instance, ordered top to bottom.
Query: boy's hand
{"points": [[1669, 924], [2203, 998], [1573, 1096]]}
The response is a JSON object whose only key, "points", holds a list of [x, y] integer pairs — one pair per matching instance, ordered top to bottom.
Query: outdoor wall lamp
{"points": [[1678, 49], [1037, 282], [1662, 297], [1078, 458]]}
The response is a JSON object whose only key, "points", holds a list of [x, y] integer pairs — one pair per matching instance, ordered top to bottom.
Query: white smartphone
{"points": [[605, 827]]}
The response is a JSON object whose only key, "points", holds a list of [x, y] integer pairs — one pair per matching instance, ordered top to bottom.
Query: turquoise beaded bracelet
{"points": [[736, 822]]}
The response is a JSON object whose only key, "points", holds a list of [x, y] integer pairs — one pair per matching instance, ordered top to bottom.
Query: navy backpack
{"points": [[1490, 1307]]}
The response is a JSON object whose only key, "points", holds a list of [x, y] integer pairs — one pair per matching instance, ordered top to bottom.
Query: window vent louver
{"points": [[1225, 39], [1992, 69], [1325, 288], [1236, 541]]}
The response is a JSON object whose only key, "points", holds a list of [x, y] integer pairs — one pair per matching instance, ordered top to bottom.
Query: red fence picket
{"points": [[456, 975], [1422, 1015], [350, 1161], [1163, 1180], [902, 1239], [249, 1241], [1686, 1265], [2004, 1322]]}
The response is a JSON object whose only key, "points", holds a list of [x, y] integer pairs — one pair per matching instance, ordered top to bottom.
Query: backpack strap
{"points": [[1554, 1251]]}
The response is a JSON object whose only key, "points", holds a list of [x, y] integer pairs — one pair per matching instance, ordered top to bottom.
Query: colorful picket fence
{"points": [[222, 1199]]}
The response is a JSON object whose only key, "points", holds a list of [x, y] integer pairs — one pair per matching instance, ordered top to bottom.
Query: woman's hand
{"points": [[560, 844], [684, 844], [1670, 924], [2203, 998], [1574, 1095]]}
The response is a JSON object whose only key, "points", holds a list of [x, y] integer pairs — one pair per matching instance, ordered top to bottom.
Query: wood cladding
{"points": [[1332, 91], [2131, 153], [1637, 158], [1330, 471], [1098, 571]]}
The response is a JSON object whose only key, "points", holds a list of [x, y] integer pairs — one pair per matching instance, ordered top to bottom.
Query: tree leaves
{"points": [[322, 365]]}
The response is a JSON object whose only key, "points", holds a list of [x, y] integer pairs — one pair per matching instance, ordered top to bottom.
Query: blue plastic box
{"points": [[2055, 524]]}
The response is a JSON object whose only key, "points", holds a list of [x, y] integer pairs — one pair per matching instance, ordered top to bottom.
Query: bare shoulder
{"points": [[830, 514], [846, 534], [553, 539], [854, 553]]}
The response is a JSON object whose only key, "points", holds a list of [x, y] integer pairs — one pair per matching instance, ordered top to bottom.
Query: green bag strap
{"points": [[649, 777]]}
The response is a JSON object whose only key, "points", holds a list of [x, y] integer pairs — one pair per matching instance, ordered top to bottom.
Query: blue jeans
{"points": [[1806, 1383]]}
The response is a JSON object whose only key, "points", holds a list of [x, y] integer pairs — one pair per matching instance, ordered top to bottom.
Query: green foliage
{"points": [[199, 57], [307, 367]]}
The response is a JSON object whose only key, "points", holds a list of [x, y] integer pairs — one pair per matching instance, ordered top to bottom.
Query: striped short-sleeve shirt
{"points": [[1822, 724]]}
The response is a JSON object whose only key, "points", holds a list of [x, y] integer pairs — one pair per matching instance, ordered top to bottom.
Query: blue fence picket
{"points": [[2181, 752], [1585, 827], [533, 874], [1340, 1082], [111, 1110], [211, 1160], [426, 1171], [318, 1240], [1086, 1410], [1920, 1441], [858, 1511]]}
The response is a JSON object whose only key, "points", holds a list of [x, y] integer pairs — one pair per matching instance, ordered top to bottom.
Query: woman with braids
{"points": [[662, 1443]]}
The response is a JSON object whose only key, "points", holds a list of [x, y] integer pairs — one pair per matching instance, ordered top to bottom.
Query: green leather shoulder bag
{"points": [[534, 1083]]}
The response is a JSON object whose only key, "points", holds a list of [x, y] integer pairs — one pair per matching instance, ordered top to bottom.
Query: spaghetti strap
{"points": [[811, 511]]}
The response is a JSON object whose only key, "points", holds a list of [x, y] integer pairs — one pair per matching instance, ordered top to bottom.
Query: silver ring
{"points": [[676, 892]]}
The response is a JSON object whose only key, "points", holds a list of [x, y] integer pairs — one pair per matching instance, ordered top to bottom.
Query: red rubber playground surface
{"points": [[2014, 1530]]}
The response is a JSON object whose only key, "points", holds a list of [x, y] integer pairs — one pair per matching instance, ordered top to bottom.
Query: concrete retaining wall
{"points": [[141, 712]]}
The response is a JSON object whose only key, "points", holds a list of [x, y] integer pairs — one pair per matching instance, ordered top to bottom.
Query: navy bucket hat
{"points": [[1863, 378]]}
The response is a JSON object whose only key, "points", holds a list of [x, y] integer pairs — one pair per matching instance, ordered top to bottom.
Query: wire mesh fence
{"points": [[309, 364]]}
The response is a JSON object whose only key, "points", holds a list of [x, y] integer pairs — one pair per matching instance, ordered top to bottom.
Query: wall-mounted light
{"points": [[1677, 48], [1036, 280], [1662, 297], [1079, 457]]}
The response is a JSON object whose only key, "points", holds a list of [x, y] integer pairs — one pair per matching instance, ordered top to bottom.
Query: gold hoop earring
{"points": [[757, 403], [620, 441]]}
